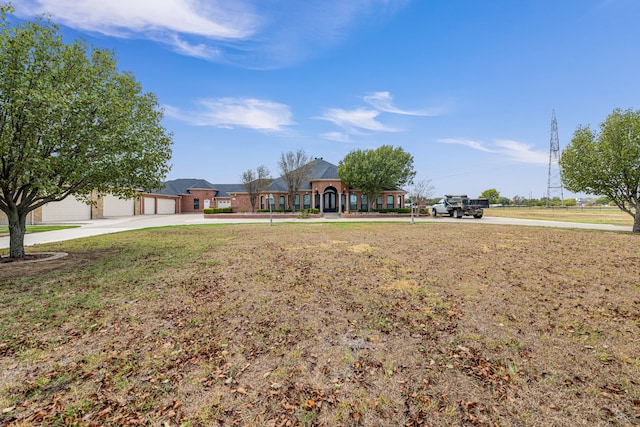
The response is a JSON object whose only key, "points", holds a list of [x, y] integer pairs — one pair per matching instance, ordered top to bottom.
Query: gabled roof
{"points": [[321, 170], [181, 186], [224, 190]]}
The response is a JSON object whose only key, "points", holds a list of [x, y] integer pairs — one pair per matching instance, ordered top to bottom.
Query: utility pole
{"points": [[554, 182]]}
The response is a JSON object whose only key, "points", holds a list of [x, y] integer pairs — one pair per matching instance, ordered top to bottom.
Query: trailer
{"points": [[460, 205]]}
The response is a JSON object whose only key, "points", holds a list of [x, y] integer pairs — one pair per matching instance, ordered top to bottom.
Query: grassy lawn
{"points": [[596, 215], [4, 229], [332, 324]]}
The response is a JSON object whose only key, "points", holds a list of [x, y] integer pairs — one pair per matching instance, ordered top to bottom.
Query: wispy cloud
{"points": [[249, 33], [383, 101], [230, 113], [365, 120], [356, 121], [336, 136], [466, 142], [512, 150], [521, 152]]}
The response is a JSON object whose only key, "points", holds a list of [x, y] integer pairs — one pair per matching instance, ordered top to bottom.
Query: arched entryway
{"points": [[330, 200]]}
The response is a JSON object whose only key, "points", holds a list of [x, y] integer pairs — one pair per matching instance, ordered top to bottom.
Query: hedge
{"points": [[217, 210], [389, 210]]}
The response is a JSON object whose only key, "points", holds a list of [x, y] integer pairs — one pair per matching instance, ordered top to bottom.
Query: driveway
{"points": [[114, 225]]}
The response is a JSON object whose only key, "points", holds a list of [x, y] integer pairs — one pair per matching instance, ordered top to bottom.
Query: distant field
{"points": [[600, 215], [325, 324]]}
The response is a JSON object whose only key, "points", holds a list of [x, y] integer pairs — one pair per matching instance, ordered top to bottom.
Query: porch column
{"points": [[321, 202], [339, 203]]}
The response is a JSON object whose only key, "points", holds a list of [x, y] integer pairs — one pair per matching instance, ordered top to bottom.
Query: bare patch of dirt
{"points": [[40, 264], [332, 325]]}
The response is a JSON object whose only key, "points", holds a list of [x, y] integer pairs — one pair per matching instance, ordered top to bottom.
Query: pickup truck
{"points": [[460, 205]]}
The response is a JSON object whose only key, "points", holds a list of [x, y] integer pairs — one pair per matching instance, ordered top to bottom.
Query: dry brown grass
{"points": [[591, 215], [328, 324]]}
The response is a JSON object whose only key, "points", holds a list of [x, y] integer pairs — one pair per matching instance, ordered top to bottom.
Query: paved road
{"points": [[114, 225]]}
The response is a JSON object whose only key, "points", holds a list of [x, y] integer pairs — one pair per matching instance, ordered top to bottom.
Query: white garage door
{"points": [[224, 203], [149, 205], [115, 206], [166, 206], [69, 209]]}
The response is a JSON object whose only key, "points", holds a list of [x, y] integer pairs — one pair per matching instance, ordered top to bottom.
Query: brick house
{"points": [[323, 191]]}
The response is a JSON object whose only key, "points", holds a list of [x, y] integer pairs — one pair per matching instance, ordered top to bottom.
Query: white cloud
{"points": [[137, 17], [248, 33], [383, 101], [230, 113], [363, 120], [355, 121], [336, 136], [467, 143], [512, 150], [521, 152]]}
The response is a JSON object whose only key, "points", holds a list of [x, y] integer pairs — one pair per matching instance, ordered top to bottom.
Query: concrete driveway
{"points": [[115, 225]]}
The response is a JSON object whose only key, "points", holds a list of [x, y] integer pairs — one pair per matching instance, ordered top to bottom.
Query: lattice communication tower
{"points": [[554, 183]]}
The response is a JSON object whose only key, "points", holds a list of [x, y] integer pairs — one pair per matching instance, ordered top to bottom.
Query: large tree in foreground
{"points": [[70, 123], [607, 163], [296, 168], [372, 171], [255, 182]]}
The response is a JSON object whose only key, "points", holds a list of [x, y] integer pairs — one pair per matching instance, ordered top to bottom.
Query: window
{"points": [[297, 201], [307, 201], [399, 201], [261, 202], [353, 202], [364, 202], [379, 202], [390, 202], [281, 203], [196, 204]]}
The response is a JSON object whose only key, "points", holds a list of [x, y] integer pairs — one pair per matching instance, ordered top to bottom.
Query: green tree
{"points": [[70, 123], [607, 163], [296, 168], [372, 171], [255, 182], [492, 194], [503, 200]]}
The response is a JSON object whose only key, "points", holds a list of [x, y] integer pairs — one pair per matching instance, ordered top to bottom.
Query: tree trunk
{"points": [[636, 221], [17, 228]]}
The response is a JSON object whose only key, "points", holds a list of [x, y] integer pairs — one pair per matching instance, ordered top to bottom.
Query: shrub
{"points": [[389, 210], [209, 211]]}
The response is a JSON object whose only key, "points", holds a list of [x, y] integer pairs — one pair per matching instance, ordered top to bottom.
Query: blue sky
{"points": [[466, 86]]}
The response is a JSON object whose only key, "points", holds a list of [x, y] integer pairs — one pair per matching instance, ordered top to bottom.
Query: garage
{"points": [[224, 203], [149, 205], [115, 206], [166, 206], [68, 209]]}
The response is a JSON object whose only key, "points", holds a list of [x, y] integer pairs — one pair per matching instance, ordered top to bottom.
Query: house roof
{"points": [[321, 170], [181, 186]]}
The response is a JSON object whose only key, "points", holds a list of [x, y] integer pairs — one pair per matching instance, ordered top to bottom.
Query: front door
{"points": [[329, 201]]}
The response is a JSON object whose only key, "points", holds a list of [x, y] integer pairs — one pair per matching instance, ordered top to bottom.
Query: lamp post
{"points": [[412, 208], [270, 210]]}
